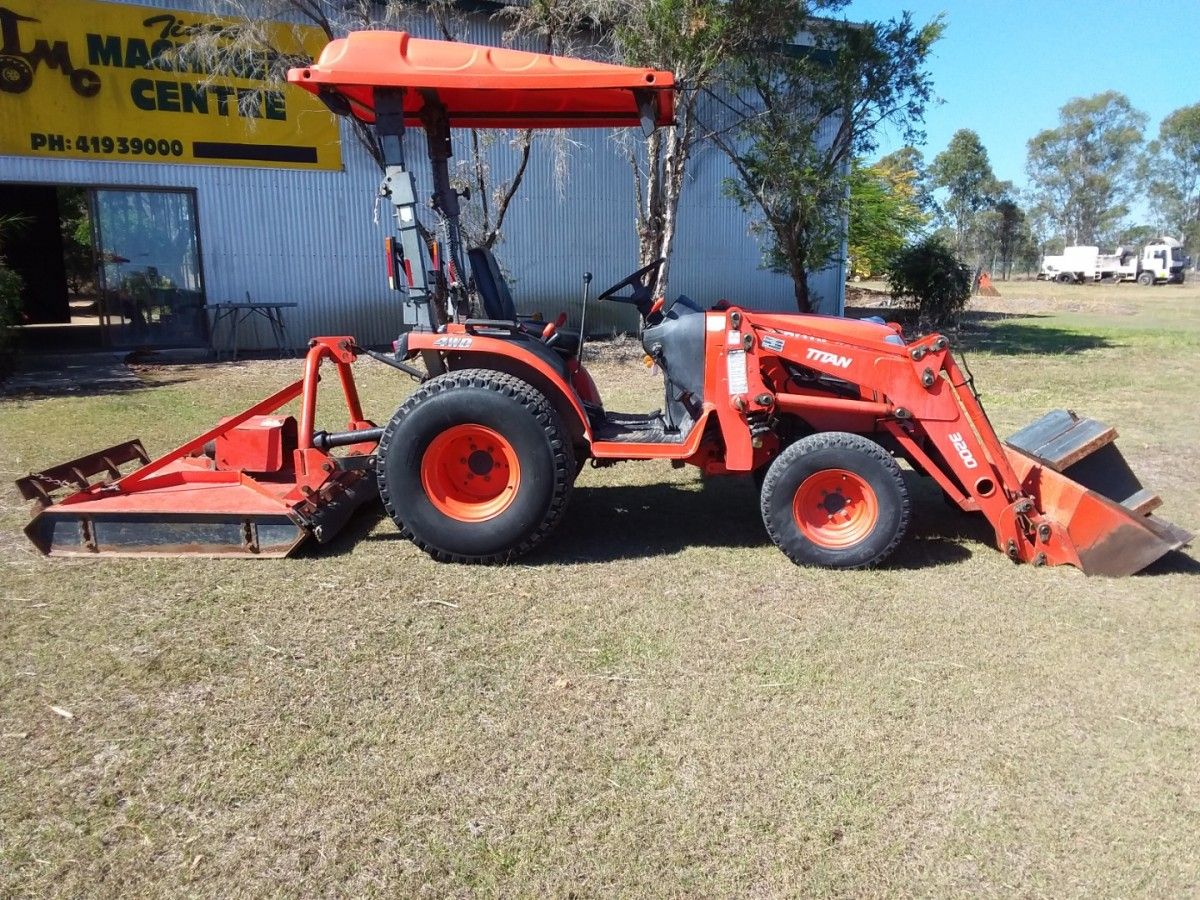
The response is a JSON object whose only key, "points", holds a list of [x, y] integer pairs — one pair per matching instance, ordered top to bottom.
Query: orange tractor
{"points": [[479, 463]]}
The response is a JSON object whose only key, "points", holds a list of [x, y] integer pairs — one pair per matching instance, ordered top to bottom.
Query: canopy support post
{"points": [[400, 188], [445, 198]]}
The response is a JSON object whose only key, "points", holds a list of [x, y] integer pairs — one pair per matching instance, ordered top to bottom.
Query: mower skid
{"points": [[1077, 477], [62, 531]]}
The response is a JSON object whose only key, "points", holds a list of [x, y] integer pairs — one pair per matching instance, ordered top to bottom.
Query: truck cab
{"points": [[1160, 262]]}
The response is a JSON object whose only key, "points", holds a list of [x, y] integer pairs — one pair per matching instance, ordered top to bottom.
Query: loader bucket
{"points": [[1077, 477], [255, 485]]}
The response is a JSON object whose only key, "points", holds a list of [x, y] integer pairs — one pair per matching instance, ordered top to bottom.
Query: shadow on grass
{"points": [[908, 317], [997, 332], [1016, 338], [81, 375], [28, 389], [606, 523], [610, 523], [357, 529], [1174, 563]]}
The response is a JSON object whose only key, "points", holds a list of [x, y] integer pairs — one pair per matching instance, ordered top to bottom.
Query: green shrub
{"points": [[928, 277], [10, 296], [10, 314]]}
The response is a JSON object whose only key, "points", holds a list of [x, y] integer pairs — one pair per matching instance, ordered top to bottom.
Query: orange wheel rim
{"points": [[470, 473], [835, 508]]}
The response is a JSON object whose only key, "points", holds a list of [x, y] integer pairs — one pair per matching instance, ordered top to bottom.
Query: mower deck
{"points": [[255, 485], [224, 514]]}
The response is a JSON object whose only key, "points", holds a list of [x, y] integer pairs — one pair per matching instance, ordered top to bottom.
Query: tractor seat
{"points": [[493, 289], [498, 302]]}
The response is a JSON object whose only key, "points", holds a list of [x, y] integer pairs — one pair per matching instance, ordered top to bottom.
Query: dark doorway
{"points": [[34, 250]]}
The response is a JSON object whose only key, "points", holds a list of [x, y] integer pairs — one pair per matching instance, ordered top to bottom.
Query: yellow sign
{"points": [[91, 80]]}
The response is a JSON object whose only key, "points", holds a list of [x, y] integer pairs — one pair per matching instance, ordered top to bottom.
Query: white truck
{"points": [[1159, 262]]}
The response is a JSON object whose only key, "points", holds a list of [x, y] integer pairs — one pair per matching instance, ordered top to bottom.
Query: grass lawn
{"points": [[655, 703]]}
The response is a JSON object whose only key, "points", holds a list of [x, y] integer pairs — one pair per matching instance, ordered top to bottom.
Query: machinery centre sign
{"points": [[91, 80]]}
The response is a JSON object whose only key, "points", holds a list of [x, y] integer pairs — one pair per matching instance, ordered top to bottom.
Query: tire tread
{"points": [[538, 407], [835, 440]]}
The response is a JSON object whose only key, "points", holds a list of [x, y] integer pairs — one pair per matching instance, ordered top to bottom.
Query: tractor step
{"points": [[638, 428]]}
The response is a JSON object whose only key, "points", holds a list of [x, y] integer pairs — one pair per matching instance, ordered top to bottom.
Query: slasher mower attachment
{"points": [[479, 463], [256, 485]]}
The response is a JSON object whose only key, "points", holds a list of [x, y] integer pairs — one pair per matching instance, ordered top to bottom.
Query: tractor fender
{"points": [[546, 373]]}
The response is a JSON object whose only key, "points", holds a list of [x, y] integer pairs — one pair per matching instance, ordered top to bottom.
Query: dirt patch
{"points": [[868, 297], [617, 349]]}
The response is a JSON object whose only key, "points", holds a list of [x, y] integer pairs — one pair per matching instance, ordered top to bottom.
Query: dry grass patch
{"points": [[656, 702]]}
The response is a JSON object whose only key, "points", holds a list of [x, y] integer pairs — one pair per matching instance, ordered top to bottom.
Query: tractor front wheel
{"points": [[475, 467], [835, 499]]}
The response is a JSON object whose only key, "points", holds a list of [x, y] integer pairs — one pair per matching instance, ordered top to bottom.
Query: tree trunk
{"points": [[674, 164], [658, 189], [649, 198], [800, 283]]}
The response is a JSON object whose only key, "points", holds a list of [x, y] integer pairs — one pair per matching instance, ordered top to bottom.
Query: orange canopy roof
{"points": [[486, 87]]}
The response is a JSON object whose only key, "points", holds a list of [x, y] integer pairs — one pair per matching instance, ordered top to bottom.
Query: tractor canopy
{"points": [[485, 87]]}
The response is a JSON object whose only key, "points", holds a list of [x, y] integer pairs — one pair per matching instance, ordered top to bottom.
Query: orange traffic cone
{"points": [[986, 288]]}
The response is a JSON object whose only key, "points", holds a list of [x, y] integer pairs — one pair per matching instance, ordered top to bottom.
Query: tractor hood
{"points": [[485, 87]]}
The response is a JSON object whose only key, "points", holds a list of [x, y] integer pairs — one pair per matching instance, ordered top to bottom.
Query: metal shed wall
{"points": [[311, 238]]}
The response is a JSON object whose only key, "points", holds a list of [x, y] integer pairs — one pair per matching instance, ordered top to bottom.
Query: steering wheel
{"points": [[637, 281]]}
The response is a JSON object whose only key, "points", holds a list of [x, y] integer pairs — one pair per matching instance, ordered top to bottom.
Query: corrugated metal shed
{"points": [[312, 237]]}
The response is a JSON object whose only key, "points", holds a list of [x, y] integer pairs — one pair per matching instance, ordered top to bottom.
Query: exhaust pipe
{"points": [[587, 284]]}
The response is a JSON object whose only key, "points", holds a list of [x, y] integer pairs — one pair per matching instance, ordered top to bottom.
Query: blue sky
{"points": [[1003, 69]]}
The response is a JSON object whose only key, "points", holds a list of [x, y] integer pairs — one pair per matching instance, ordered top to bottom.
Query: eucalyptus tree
{"points": [[1083, 170]]}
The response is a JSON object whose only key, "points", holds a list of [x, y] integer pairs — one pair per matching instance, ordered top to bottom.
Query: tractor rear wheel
{"points": [[475, 467], [835, 499]]}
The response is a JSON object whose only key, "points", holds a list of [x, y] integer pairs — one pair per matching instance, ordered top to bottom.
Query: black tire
{"points": [[16, 75], [85, 82], [1065, 278], [1146, 279], [523, 417], [823, 455]]}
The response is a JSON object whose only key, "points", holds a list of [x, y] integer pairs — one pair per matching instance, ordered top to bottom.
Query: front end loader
{"points": [[478, 465]]}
